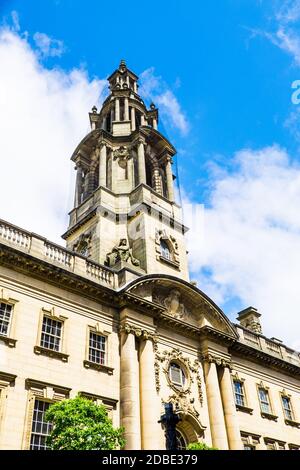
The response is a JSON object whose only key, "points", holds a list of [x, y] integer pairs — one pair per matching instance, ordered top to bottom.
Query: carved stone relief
{"points": [[172, 303], [193, 369]]}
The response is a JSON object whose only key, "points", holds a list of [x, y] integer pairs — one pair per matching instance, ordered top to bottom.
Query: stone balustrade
{"points": [[14, 235], [41, 248], [58, 254], [100, 273], [274, 348]]}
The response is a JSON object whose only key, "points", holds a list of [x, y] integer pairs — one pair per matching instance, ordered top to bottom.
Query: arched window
{"points": [[165, 250], [181, 442]]}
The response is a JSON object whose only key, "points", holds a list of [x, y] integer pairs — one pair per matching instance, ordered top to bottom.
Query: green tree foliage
{"points": [[81, 424], [200, 446]]}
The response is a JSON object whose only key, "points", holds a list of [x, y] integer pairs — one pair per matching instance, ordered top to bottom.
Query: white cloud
{"points": [[289, 11], [15, 20], [288, 41], [48, 47], [154, 88], [43, 116], [250, 239]]}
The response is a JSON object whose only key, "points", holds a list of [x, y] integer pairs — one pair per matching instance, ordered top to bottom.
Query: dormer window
{"points": [[165, 250]]}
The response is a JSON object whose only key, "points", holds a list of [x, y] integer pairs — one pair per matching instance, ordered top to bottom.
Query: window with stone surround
{"points": [[165, 250], [5, 318], [51, 334], [97, 348], [6, 382], [239, 393], [40, 397], [264, 400], [110, 404], [287, 407], [40, 428], [250, 441], [273, 444]]}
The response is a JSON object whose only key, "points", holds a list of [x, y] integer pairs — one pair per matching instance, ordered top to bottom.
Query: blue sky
{"points": [[221, 73]]}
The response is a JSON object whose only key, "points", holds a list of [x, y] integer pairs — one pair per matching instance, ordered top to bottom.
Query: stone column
{"points": [[135, 87], [117, 109], [126, 110], [133, 119], [143, 120], [154, 124], [141, 162], [102, 165], [169, 176], [91, 180], [157, 180], [78, 188], [129, 392], [150, 406], [215, 407], [232, 427]]}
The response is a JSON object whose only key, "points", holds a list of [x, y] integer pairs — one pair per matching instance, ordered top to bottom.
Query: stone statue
{"points": [[121, 252], [169, 421]]}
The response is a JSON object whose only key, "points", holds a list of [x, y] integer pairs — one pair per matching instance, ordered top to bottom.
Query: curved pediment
{"points": [[181, 301]]}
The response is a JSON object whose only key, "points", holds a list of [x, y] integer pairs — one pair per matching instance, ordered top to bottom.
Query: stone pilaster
{"points": [[231, 421]]}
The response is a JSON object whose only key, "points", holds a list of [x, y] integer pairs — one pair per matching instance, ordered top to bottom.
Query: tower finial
{"points": [[122, 63]]}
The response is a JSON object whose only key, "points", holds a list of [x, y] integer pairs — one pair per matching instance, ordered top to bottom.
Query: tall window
{"points": [[165, 250], [5, 318], [51, 334], [97, 348], [177, 376], [239, 393], [264, 401], [287, 407], [40, 428]]}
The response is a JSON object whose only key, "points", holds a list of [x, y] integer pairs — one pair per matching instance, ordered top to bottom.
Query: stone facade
{"points": [[115, 318]]}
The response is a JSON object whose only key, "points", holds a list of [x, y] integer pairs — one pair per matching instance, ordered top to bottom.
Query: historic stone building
{"points": [[115, 318]]}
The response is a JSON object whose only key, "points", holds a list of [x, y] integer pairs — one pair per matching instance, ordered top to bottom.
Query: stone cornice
{"points": [[75, 227], [39, 269], [55, 275], [143, 305], [209, 332], [264, 358], [9, 378]]}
